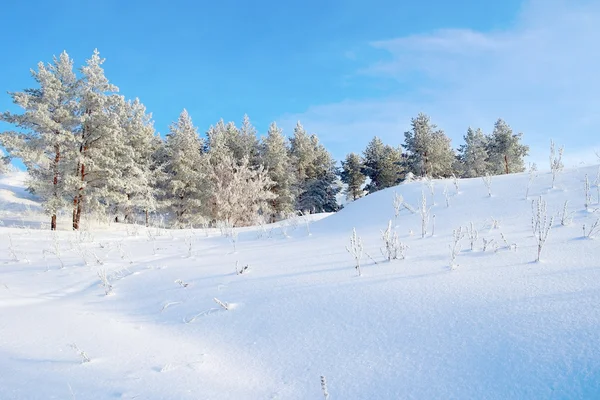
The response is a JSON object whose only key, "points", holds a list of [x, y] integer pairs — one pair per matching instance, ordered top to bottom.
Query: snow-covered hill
{"points": [[497, 326]]}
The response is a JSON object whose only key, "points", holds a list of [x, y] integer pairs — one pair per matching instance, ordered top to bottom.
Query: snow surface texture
{"points": [[497, 326]]}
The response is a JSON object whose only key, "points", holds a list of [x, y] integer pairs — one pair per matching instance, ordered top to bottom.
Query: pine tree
{"points": [[98, 141], [46, 143], [249, 143], [430, 153], [506, 153], [473, 154], [302, 155], [275, 158], [383, 165], [184, 167], [138, 174], [352, 176], [319, 189]]}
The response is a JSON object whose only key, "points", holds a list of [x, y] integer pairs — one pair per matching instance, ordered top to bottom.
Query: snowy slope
{"points": [[498, 326]]}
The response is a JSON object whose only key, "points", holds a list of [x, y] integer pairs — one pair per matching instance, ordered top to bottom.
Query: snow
{"points": [[498, 326]]}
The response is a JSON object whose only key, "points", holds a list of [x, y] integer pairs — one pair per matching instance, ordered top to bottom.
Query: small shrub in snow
{"points": [[556, 164], [532, 176], [487, 181], [455, 182], [429, 183], [587, 194], [446, 196], [398, 205], [424, 211], [566, 216], [495, 223], [541, 224], [593, 229], [472, 235], [457, 236], [188, 239], [489, 243], [508, 246], [11, 249], [355, 249], [393, 249], [122, 252], [242, 270], [105, 281], [80, 353], [324, 388]]}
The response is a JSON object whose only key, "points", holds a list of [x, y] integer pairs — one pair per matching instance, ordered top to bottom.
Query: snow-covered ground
{"points": [[498, 326]]}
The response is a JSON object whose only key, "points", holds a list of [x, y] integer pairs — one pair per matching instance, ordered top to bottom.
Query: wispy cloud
{"points": [[540, 75]]}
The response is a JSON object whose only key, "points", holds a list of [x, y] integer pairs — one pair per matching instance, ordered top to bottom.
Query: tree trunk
{"points": [[506, 163], [55, 182], [78, 201], [74, 211], [147, 224]]}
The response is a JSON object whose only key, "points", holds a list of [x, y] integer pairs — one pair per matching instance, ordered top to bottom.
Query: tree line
{"points": [[88, 150], [428, 153]]}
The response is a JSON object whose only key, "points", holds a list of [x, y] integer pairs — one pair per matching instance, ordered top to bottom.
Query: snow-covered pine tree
{"points": [[216, 136], [99, 141], [248, 142], [46, 143], [430, 153], [506, 153], [473, 154], [302, 155], [276, 159], [383, 165], [183, 166], [352, 176], [139, 178], [319, 190]]}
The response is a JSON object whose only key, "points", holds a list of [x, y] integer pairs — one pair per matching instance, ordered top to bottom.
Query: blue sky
{"points": [[348, 70]]}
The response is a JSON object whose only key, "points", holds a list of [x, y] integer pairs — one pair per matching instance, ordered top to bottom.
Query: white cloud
{"points": [[542, 75]]}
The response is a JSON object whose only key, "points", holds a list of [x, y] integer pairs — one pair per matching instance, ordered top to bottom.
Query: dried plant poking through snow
{"points": [[556, 164], [532, 176], [487, 180], [429, 183], [456, 185], [588, 195], [446, 196], [398, 205], [424, 212], [566, 216], [540, 224], [589, 233], [472, 234], [457, 236], [393, 248], [11, 249], [356, 249], [105, 282], [225, 306], [81, 353], [324, 388]]}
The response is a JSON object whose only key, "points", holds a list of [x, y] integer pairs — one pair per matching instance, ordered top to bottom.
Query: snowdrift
{"points": [[181, 322]]}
